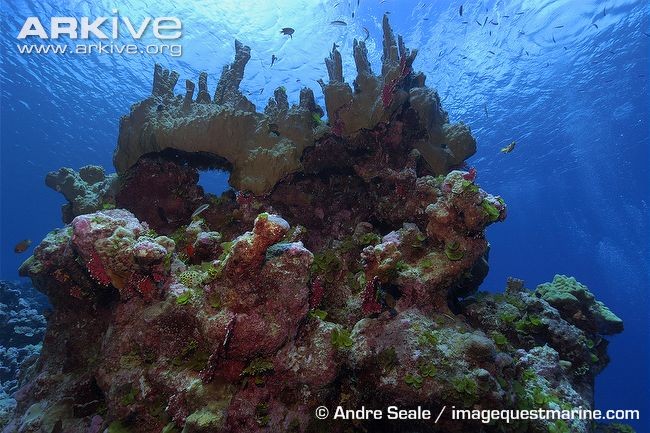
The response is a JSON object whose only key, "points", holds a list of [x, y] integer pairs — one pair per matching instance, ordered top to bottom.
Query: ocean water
{"points": [[568, 80]]}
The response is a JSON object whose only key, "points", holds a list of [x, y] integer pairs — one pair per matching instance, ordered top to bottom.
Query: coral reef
{"points": [[397, 94], [259, 148], [262, 148], [87, 191], [352, 281], [574, 300], [22, 326]]}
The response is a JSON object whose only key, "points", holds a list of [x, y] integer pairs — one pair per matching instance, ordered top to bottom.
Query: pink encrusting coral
{"points": [[120, 251], [346, 276]]}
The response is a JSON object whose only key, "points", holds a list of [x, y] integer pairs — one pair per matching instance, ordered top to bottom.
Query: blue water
{"points": [[567, 79]]}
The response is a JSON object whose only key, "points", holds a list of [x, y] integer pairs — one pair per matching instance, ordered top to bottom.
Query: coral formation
{"points": [[262, 148], [87, 191], [351, 281], [574, 300], [22, 326]]}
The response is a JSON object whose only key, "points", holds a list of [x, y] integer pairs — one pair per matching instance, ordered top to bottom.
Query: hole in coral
{"points": [[214, 181]]}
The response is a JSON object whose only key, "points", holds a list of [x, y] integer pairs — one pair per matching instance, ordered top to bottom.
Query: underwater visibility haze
{"points": [[292, 204]]}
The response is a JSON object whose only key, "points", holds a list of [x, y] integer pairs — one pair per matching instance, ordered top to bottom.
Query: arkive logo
{"points": [[163, 28]]}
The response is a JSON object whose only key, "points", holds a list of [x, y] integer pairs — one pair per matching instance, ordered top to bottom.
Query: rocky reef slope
{"points": [[342, 271], [21, 331]]}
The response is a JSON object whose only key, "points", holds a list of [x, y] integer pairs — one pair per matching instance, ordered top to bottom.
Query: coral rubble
{"points": [[352, 280]]}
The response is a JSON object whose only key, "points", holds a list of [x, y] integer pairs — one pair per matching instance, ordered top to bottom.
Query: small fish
{"points": [[460, 10], [604, 11], [519, 13], [505, 16], [464, 22], [485, 22], [339, 23], [479, 23], [493, 23], [595, 25], [558, 27], [365, 30], [288, 31], [554, 39], [491, 52], [527, 53], [273, 59], [509, 148], [199, 210], [22, 246]]}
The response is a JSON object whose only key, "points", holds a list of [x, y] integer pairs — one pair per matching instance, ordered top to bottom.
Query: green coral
{"points": [[317, 119], [491, 210], [369, 239], [453, 251], [426, 262], [327, 264], [569, 296], [184, 298], [318, 314], [508, 317], [528, 323], [341, 338], [428, 338], [499, 339], [191, 357], [257, 367], [427, 369], [413, 380], [466, 388], [129, 398], [559, 426]]}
